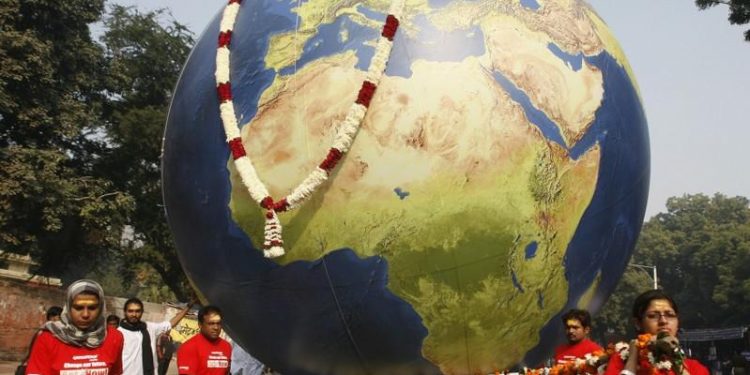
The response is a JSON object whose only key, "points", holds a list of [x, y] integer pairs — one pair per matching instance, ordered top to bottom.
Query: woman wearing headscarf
{"points": [[654, 313], [81, 341]]}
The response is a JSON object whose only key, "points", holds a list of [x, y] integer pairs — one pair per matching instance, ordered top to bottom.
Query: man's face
{"points": [[85, 310], [133, 313], [54, 318], [211, 326], [575, 331]]}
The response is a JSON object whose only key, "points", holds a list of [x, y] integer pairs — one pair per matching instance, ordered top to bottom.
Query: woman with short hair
{"points": [[81, 340]]}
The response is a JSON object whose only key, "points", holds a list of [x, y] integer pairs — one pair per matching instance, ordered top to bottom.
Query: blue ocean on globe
{"points": [[451, 247]]}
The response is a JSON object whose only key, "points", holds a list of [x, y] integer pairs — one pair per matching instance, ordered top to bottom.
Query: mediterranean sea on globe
{"points": [[499, 178]]}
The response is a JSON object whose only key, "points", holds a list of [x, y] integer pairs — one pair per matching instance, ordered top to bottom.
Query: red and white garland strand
{"points": [[345, 132]]}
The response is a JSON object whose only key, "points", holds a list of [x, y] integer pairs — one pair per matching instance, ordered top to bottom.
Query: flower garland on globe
{"points": [[343, 138], [655, 357]]}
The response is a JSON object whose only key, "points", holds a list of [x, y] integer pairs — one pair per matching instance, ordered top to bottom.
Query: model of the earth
{"points": [[499, 179]]}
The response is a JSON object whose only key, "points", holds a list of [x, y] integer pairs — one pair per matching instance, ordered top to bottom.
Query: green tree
{"points": [[739, 11], [145, 53], [80, 129], [53, 204], [701, 247], [613, 322]]}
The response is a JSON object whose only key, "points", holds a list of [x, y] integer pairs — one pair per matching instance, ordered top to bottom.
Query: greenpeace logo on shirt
{"points": [[217, 360], [93, 367]]}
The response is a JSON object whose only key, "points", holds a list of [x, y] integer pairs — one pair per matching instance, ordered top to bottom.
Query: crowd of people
{"points": [[80, 338]]}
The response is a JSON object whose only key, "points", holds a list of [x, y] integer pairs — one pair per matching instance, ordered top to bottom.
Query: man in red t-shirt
{"points": [[577, 327], [205, 353]]}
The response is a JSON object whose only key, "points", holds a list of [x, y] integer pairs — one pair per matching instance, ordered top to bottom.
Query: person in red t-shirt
{"points": [[655, 313], [577, 328], [80, 343], [205, 353]]}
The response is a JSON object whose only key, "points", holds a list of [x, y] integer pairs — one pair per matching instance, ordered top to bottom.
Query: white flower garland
{"points": [[345, 133], [623, 349], [591, 360], [661, 365]]}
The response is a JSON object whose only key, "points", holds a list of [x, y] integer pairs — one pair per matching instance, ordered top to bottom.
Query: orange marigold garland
{"points": [[655, 357], [658, 357], [591, 364]]}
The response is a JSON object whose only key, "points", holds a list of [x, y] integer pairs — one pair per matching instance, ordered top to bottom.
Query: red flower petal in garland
{"points": [[235, 1], [390, 27], [225, 37], [225, 92], [366, 93], [238, 150], [333, 157], [267, 203], [281, 205]]}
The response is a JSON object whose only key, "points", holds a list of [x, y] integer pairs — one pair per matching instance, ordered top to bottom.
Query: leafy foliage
{"points": [[739, 11], [144, 59], [80, 129], [53, 205], [701, 247], [613, 322]]}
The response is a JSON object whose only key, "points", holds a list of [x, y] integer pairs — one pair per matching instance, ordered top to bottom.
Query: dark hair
{"points": [[132, 300], [642, 302], [208, 310], [53, 312], [582, 316], [113, 318]]}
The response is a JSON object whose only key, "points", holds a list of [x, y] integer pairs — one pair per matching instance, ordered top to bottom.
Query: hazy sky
{"points": [[693, 69]]}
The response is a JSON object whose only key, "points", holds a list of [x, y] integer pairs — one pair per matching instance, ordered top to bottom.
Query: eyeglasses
{"points": [[656, 315]]}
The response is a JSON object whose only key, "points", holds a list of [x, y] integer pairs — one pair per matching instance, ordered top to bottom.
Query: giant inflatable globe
{"points": [[498, 178]]}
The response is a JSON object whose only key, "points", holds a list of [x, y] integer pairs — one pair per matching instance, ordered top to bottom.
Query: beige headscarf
{"points": [[67, 332]]}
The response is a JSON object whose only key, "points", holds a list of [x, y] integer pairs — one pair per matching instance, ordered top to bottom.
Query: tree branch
{"points": [[725, 2], [97, 198]]}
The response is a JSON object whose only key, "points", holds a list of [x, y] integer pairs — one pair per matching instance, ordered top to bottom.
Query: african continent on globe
{"points": [[499, 178]]}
